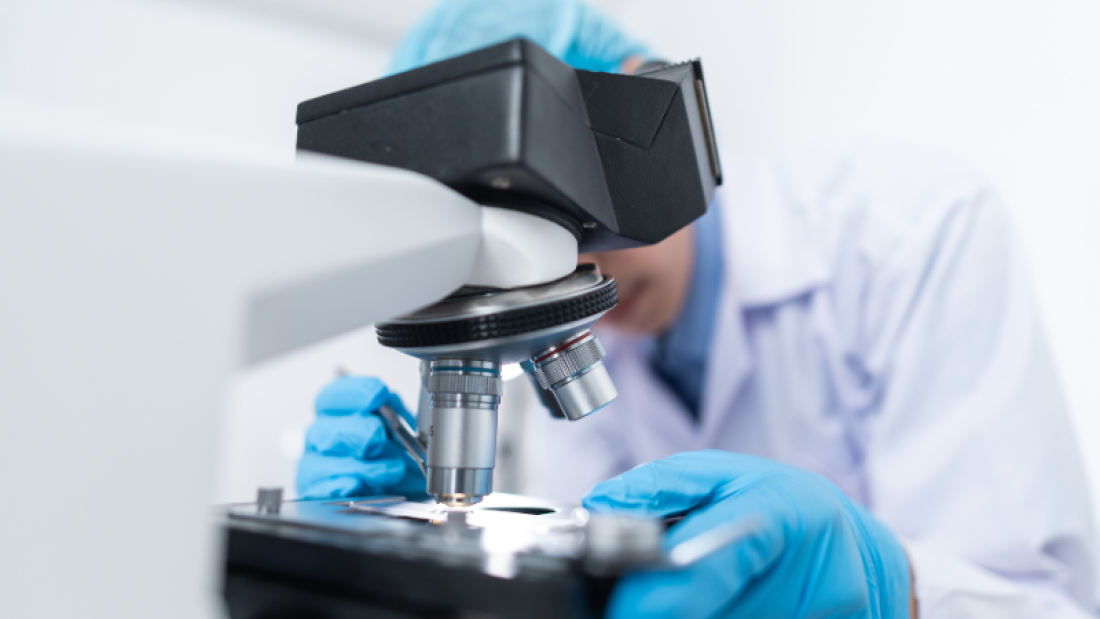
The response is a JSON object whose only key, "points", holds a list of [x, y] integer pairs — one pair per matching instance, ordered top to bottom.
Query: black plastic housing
{"points": [[620, 160]]}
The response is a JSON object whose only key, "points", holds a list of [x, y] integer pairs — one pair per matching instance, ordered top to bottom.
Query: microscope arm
{"points": [[420, 242], [140, 267]]}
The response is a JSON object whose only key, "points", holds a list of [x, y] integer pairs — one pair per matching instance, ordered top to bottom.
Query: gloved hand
{"points": [[568, 29], [349, 453], [812, 552]]}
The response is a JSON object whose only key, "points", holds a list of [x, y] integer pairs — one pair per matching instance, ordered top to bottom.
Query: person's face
{"points": [[653, 282]]}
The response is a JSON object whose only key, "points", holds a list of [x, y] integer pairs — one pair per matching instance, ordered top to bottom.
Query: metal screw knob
{"points": [[269, 500]]}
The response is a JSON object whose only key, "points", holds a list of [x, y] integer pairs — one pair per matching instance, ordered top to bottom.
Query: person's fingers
{"points": [[351, 395], [359, 395], [347, 437], [327, 476], [676, 484], [329, 487], [658, 488], [651, 490], [717, 490], [713, 584], [704, 590], [654, 595]]}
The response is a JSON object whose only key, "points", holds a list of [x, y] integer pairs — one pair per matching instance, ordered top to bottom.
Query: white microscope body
{"points": [[137, 271]]}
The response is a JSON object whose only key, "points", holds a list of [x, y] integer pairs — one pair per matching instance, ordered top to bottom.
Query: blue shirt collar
{"points": [[681, 353]]}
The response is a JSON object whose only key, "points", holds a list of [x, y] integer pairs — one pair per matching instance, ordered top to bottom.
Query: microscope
{"points": [[611, 161], [562, 162]]}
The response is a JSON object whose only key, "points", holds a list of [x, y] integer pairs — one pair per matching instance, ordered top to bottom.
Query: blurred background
{"points": [[1013, 87]]}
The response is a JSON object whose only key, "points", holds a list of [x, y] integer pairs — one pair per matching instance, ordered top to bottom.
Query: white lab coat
{"points": [[877, 326]]}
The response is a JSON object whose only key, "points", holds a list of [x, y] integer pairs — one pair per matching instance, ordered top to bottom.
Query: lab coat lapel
{"points": [[774, 251], [771, 254], [729, 364]]}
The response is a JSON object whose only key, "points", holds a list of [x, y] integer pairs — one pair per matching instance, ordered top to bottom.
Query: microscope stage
{"points": [[510, 556]]}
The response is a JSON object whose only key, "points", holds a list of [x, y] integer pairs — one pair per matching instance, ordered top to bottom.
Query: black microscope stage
{"points": [[376, 557]]}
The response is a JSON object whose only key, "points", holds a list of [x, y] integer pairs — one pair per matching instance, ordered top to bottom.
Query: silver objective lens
{"points": [[574, 372], [463, 397]]}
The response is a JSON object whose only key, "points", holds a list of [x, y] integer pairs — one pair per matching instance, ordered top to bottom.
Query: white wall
{"points": [[217, 68], [1012, 86]]}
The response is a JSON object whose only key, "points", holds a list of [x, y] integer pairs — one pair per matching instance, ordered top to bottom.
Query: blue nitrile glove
{"points": [[568, 29], [349, 453], [811, 552]]}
